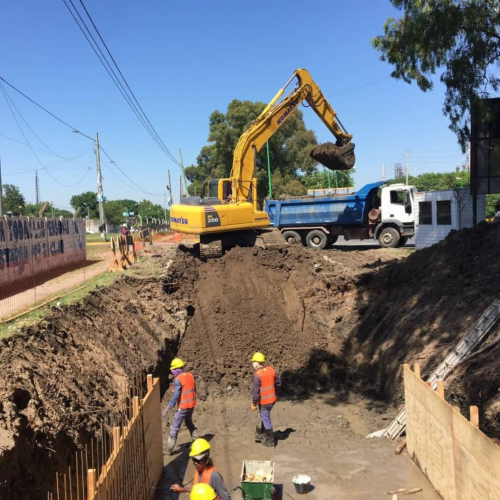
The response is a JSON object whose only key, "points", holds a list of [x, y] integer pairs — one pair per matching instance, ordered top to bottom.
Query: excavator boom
{"points": [[338, 156]]}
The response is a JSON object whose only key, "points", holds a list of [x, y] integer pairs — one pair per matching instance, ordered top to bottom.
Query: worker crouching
{"points": [[265, 382], [184, 395], [205, 474]]}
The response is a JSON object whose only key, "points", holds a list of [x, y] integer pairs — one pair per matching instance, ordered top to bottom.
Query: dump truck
{"points": [[377, 211], [229, 216]]}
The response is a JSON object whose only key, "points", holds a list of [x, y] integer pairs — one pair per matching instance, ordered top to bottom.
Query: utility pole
{"points": [[407, 162], [383, 171], [180, 187], [37, 188], [170, 188], [1, 190], [100, 196], [165, 205]]}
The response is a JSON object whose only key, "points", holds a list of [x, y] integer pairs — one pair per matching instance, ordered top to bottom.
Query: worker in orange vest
{"points": [[265, 382], [184, 395], [205, 472]]}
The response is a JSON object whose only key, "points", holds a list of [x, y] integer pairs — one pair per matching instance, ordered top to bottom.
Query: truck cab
{"points": [[396, 215]]}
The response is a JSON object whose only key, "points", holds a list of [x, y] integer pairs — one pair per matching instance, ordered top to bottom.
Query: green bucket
{"points": [[256, 490]]}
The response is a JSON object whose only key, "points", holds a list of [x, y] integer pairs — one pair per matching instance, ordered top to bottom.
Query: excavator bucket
{"points": [[335, 157]]}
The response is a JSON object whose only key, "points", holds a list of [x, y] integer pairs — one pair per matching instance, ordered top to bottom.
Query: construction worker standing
{"points": [[265, 381], [184, 395], [205, 473]]}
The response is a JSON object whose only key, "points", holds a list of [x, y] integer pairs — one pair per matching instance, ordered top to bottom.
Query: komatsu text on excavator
{"points": [[229, 215]]}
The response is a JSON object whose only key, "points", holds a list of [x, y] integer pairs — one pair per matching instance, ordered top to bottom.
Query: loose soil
{"points": [[336, 324]]}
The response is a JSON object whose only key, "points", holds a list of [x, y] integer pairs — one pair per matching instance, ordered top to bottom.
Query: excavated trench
{"points": [[332, 323]]}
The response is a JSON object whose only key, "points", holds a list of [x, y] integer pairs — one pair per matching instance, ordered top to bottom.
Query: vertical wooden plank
{"points": [[416, 369], [149, 379], [440, 388], [135, 406], [456, 408], [474, 416], [116, 440], [77, 479], [91, 480], [70, 484], [57, 486]]}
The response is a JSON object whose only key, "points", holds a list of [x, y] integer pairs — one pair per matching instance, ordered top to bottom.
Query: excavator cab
{"points": [[218, 188]]}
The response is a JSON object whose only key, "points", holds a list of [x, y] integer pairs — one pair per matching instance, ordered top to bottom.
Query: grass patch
{"points": [[96, 238], [31, 318]]}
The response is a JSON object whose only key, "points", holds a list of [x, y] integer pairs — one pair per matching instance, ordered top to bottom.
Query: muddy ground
{"points": [[337, 324]]}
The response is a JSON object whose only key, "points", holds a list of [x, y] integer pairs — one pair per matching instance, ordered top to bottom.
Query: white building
{"points": [[439, 212]]}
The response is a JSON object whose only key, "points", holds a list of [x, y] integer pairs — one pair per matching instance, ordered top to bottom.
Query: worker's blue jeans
{"points": [[265, 416], [179, 417]]}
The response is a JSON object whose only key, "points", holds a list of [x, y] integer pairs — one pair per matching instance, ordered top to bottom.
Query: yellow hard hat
{"points": [[259, 357], [176, 363], [199, 447], [202, 491]]}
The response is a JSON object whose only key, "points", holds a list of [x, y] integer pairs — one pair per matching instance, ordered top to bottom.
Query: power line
{"points": [[361, 86], [137, 109], [73, 129], [26, 139], [172, 157]]}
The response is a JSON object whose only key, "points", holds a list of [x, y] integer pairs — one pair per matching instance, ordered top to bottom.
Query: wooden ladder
{"points": [[482, 326]]}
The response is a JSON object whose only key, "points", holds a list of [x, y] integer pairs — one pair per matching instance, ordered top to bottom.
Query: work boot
{"points": [[259, 433], [195, 434], [269, 442], [171, 444]]}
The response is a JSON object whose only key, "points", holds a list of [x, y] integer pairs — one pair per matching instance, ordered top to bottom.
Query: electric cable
{"points": [[102, 58], [128, 86]]}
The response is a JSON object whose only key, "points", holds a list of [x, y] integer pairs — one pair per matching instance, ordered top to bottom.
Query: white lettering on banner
{"points": [[33, 245]]}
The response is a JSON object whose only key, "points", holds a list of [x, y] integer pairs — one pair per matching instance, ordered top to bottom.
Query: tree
{"points": [[460, 39], [289, 149], [325, 178], [436, 181], [13, 200], [87, 202], [149, 209], [33, 210]]}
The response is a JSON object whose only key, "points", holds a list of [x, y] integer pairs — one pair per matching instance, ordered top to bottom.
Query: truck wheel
{"points": [[292, 237], [389, 238], [316, 239], [332, 239], [402, 241]]}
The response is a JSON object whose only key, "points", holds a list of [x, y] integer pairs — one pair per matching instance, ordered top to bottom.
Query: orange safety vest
{"points": [[267, 377], [188, 391], [205, 477]]}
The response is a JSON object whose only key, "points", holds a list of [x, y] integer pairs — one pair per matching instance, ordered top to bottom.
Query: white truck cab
{"points": [[397, 222]]}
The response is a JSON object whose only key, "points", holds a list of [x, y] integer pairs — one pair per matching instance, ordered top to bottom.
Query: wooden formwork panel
{"points": [[461, 462]]}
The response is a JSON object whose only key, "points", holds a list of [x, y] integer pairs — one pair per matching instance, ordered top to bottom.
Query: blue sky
{"points": [[183, 60]]}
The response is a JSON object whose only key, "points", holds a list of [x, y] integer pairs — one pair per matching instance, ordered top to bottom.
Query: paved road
{"points": [[341, 242]]}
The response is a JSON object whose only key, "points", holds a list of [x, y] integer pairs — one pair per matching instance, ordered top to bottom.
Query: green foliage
{"points": [[458, 39], [289, 150], [325, 178], [436, 181], [12, 199], [87, 202], [492, 204], [149, 209], [33, 210]]}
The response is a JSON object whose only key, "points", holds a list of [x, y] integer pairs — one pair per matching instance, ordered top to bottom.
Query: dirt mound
{"points": [[288, 303], [418, 309], [61, 380]]}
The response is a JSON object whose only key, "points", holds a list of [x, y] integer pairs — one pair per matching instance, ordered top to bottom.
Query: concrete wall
{"points": [[461, 215], [30, 246]]}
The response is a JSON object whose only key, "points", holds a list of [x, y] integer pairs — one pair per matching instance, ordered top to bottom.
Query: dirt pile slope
{"points": [[290, 303], [419, 308], [63, 378]]}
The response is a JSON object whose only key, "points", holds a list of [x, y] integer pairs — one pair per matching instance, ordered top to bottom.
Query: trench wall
{"points": [[32, 246], [461, 462]]}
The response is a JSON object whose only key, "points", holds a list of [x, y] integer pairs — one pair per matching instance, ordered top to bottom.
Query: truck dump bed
{"points": [[342, 210]]}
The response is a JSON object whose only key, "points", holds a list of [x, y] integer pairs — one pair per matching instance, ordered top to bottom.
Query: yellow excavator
{"points": [[229, 216]]}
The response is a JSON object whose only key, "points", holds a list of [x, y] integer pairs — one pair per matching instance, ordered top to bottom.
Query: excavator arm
{"points": [[339, 156]]}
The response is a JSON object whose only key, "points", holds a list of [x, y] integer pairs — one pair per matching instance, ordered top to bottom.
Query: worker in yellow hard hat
{"points": [[265, 382], [184, 395], [205, 473], [202, 492]]}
